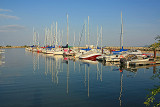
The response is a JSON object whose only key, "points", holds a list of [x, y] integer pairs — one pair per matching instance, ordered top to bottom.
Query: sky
{"points": [[141, 21]]}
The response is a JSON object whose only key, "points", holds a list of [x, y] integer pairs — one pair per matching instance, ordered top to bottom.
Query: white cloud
{"points": [[5, 10], [9, 17], [11, 28]]}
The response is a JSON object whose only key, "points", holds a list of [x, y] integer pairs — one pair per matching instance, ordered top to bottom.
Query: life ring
{"points": [[121, 56]]}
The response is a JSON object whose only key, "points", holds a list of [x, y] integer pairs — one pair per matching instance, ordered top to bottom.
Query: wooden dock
{"points": [[143, 63]]}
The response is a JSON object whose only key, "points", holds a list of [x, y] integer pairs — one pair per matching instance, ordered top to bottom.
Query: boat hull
{"points": [[58, 53], [91, 57]]}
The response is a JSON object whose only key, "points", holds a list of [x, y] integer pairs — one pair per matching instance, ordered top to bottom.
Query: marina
{"points": [[53, 46], [79, 53], [49, 80]]}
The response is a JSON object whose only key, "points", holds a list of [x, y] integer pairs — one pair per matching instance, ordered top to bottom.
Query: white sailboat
{"points": [[48, 42], [57, 50], [93, 53], [117, 55]]}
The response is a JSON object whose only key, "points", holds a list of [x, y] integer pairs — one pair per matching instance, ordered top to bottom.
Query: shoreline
{"points": [[6, 47], [143, 49]]}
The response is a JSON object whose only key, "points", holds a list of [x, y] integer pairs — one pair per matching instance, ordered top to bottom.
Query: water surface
{"points": [[30, 79]]}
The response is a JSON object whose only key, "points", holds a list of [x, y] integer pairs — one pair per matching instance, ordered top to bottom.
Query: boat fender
{"points": [[121, 56]]}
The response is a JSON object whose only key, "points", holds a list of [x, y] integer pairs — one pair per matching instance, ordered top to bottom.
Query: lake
{"points": [[29, 79]]}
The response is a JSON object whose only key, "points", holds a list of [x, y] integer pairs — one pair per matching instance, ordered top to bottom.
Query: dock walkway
{"points": [[142, 63]]}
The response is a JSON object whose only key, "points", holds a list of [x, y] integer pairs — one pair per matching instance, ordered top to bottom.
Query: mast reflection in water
{"points": [[38, 79]]}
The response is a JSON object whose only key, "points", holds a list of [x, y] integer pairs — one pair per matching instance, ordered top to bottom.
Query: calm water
{"points": [[36, 80]]}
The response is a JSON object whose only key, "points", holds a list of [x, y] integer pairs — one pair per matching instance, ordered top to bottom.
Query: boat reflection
{"points": [[2, 57], [35, 58], [89, 61], [111, 64], [55, 65], [135, 69], [132, 70], [121, 86]]}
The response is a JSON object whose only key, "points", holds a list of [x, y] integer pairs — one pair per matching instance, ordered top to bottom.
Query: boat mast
{"points": [[67, 29], [121, 30], [88, 31], [56, 33], [85, 33], [48, 34], [33, 35], [51, 35], [97, 36], [62, 37], [101, 37], [35, 38], [38, 40], [74, 40], [45, 41], [59, 41]]}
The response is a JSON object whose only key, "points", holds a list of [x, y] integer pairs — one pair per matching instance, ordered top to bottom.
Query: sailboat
{"points": [[49, 38], [121, 39], [34, 46], [57, 50], [79, 51], [91, 55], [116, 55]]}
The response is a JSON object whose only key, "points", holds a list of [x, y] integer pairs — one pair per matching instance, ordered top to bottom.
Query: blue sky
{"points": [[141, 19]]}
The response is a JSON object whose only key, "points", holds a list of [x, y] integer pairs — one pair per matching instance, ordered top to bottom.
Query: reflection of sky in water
{"points": [[46, 80]]}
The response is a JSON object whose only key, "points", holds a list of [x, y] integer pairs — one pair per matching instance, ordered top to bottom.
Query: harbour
{"points": [[79, 53], [48, 80]]}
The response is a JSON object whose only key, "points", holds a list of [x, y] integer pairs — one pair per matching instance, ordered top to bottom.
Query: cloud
{"points": [[5, 10], [9, 17], [11, 28]]}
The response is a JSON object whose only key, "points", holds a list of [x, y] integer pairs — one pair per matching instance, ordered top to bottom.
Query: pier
{"points": [[137, 48], [143, 63]]}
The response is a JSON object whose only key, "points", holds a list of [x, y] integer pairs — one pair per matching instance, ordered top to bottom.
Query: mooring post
{"points": [[110, 50], [154, 53]]}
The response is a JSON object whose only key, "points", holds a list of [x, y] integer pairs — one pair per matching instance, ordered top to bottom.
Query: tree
{"points": [[157, 38], [8, 45], [155, 45], [153, 93]]}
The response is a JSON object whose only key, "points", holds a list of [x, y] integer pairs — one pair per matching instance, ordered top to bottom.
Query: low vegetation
{"points": [[153, 93], [151, 97]]}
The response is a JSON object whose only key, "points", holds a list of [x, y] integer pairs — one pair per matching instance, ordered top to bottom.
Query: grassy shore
{"points": [[4, 47]]}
